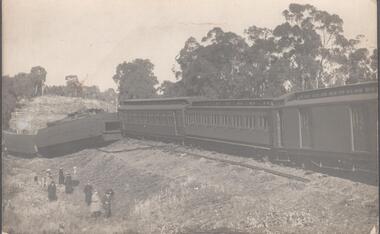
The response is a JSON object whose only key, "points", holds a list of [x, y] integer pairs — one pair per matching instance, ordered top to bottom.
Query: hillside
{"points": [[33, 115], [159, 191]]}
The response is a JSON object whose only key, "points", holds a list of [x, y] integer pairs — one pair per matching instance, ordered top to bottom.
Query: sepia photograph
{"points": [[190, 117]]}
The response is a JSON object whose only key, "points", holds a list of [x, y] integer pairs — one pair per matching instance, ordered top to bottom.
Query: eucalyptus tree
{"points": [[136, 79]]}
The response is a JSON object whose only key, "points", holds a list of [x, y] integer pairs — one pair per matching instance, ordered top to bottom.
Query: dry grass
{"points": [[159, 192]]}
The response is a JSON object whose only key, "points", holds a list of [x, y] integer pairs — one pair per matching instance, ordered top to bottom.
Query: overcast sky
{"points": [[90, 38]]}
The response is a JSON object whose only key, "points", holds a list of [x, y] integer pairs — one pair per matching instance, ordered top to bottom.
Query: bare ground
{"points": [[158, 191]]}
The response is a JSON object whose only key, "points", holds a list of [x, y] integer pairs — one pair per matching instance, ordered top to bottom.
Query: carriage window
{"points": [[161, 119], [188, 119], [229, 121], [242, 122], [253, 122], [259, 122], [265, 122], [110, 126]]}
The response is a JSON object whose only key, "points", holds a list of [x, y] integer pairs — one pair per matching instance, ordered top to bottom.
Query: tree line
{"points": [[308, 50], [22, 85], [76, 88]]}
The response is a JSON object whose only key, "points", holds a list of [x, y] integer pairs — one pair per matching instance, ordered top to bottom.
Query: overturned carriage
{"points": [[80, 130]]}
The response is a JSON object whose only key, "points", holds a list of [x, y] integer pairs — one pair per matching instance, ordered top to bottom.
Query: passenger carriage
{"points": [[154, 118], [234, 124], [330, 128], [78, 131]]}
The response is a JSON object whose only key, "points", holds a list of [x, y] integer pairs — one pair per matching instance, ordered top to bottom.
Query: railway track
{"points": [[230, 162]]}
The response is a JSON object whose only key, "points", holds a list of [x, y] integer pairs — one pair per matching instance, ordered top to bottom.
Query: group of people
{"points": [[48, 181], [92, 197], [93, 200]]}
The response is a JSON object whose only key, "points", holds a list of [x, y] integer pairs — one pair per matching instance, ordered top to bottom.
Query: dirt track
{"points": [[157, 191]]}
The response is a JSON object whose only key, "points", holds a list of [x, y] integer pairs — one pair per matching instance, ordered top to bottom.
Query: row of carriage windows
{"points": [[163, 118], [209, 119], [254, 120], [249, 121]]}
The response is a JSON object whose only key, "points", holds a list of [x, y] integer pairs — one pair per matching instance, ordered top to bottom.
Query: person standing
{"points": [[75, 171], [61, 176], [45, 177], [48, 177], [42, 179], [68, 184], [52, 191], [88, 193], [107, 204], [95, 205]]}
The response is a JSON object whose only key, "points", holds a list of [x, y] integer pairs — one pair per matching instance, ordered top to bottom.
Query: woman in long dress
{"points": [[96, 205]]}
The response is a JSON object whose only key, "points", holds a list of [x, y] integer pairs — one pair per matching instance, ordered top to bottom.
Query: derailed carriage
{"points": [[161, 119], [331, 129], [80, 130]]}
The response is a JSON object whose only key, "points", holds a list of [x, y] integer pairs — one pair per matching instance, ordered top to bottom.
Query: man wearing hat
{"points": [[61, 176]]}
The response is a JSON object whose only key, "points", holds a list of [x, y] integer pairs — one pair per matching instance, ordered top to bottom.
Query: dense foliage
{"points": [[308, 50], [136, 79], [22, 85]]}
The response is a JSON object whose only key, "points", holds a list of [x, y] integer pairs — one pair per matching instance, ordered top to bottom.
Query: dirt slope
{"points": [[35, 114], [157, 191]]}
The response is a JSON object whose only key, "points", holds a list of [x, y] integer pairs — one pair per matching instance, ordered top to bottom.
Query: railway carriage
{"points": [[154, 118], [243, 123], [330, 129], [76, 132]]}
